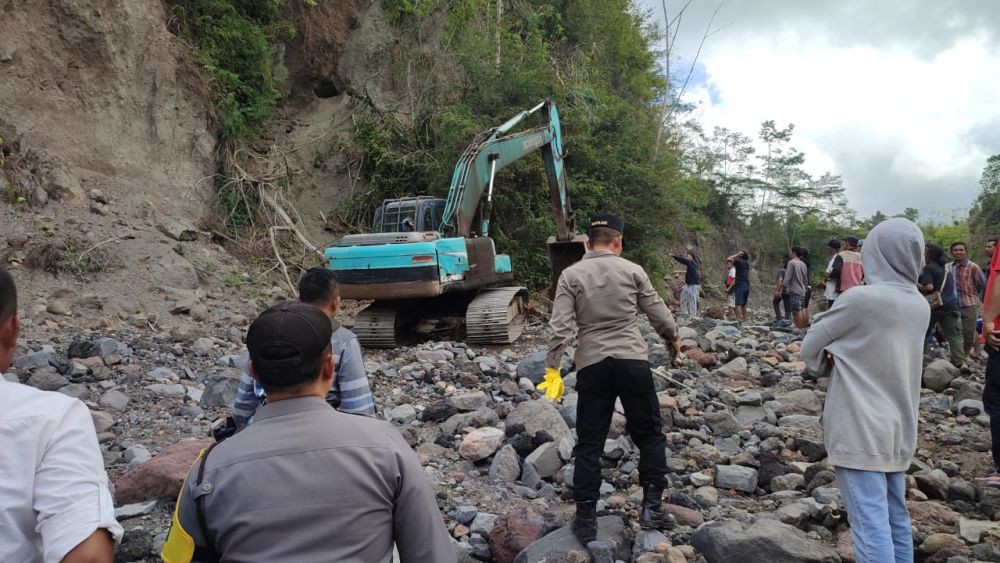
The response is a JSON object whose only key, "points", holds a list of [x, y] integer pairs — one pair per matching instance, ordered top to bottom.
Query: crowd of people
{"points": [[57, 506]]}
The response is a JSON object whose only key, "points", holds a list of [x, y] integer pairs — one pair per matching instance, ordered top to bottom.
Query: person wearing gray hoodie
{"points": [[872, 342]]}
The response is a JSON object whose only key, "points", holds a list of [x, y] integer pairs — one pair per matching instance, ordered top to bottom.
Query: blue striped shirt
{"points": [[349, 393]]}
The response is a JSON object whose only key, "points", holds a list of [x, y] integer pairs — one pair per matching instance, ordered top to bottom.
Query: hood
{"points": [[893, 253]]}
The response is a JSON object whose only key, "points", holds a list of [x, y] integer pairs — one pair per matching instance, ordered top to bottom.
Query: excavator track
{"points": [[496, 316], [376, 326]]}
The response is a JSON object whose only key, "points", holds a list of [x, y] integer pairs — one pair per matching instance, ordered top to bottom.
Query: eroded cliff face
{"points": [[103, 88]]}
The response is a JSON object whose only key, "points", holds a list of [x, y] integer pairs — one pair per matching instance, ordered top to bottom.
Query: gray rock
{"points": [[179, 230], [174, 270], [203, 346], [105, 347], [435, 356], [33, 361], [532, 367], [735, 369], [162, 373], [939, 374], [47, 380], [76, 390], [172, 390], [220, 391], [114, 400], [469, 401], [800, 401], [940, 404], [970, 407], [403, 414], [748, 415], [538, 416], [476, 419], [102, 421], [802, 421], [723, 423], [136, 456], [545, 459], [506, 465], [530, 477], [736, 477], [787, 482], [933, 483], [132, 510], [465, 513], [796, 514], [483, 524], [973, 530], [764, 541], [646, 542], [557, 545], [601, 552]]}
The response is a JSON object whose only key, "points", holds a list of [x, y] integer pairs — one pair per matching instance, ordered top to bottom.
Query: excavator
{"points": [[428, 257]]}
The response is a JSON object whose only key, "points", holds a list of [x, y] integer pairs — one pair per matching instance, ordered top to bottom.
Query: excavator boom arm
{"points": [[496, 149]]}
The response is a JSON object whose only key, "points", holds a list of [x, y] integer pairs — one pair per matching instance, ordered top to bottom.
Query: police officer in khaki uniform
{"points": [[598, 300], [305, 482]]}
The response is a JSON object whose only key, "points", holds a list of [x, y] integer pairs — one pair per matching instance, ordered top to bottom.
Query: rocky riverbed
{"points": [[745, 459]]}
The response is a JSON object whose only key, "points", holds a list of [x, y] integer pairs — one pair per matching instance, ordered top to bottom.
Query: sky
{"points": [[900, 97]]}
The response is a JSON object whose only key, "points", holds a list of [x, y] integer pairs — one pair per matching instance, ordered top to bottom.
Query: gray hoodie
{"points": [[875, 334]]}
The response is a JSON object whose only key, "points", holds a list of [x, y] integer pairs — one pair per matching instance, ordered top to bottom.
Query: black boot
{"points": [[653, 516], [585, 522]]}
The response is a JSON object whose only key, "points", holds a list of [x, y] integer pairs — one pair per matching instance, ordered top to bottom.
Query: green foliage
{"points": [[396, 10], [235, 41], [594, 60], [984, 218]]}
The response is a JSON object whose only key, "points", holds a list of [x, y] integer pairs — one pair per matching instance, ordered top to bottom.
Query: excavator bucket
{"points": [[562, 255]]}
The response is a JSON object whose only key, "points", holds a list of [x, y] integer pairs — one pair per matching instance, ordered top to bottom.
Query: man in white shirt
{"points": [[55, 504]]}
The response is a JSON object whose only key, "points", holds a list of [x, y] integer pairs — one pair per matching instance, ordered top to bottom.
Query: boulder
{"points": [[532, 367], [735, 369], [939, 374], [47, 380], [173, 390], [220, 391], [114, 399], [468, 401], [800, 401], [970, 407], [402, 414], [538, 416], [723, 423], [481, 443], [545, 459], [506, 465], [162, 476], [736, 477], [933, 483], [685, 516], [515, 530], [764, 541], [561, 546]]}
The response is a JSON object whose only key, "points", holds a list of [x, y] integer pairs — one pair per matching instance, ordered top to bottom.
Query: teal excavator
{"points": [[429, 257]]}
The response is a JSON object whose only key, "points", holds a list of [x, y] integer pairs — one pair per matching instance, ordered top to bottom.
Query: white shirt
{"points": [[831, 285], [53, 488]]}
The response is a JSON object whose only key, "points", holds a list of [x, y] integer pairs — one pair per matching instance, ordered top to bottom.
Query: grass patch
{"points": [[68, 256]]}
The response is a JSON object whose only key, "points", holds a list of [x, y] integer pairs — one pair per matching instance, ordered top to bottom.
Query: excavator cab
{"points": [[409, 215]]}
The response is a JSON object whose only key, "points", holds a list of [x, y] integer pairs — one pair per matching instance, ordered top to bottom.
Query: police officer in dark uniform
{"points": [[598, 300]]}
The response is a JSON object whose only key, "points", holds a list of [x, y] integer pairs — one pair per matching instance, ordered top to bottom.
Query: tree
{"points": [[909, 213], [984, 217]]}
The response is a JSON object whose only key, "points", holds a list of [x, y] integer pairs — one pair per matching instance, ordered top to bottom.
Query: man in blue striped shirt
{"points": [[350, 392]]}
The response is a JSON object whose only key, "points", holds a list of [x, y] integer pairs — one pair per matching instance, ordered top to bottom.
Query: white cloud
{"points": [[903, 124]]}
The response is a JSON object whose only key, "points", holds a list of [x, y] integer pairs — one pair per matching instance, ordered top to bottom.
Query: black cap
{"points": [[607, 221], [851, 240], [834, 244], [288, 337]]}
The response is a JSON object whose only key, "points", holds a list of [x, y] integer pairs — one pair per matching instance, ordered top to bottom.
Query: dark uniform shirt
{"points": [[307, 483]]}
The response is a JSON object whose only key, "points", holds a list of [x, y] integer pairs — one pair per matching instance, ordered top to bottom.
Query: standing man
{"points": [[991, 246], [741, 261], [847, 269], [692, 283], [797, 283], [970, 284], [830, 285], [938, 286], [781, 297], [598, 300], [991, 391], [350, 392], [870, 415], [305, 482], [55, 504]]}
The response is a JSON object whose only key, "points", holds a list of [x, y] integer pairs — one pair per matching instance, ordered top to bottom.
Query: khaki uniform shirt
{"points": [[598, 299], [307, 483]]}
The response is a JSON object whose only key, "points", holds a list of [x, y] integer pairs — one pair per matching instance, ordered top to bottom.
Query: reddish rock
{"points": [[792, 348], [704, 359], [667, 402], [160, 477], [685, 516], [931, 516], [514, 531], [845, 546]]}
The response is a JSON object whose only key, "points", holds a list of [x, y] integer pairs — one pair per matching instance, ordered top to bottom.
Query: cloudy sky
{"points": [[900, 97]]}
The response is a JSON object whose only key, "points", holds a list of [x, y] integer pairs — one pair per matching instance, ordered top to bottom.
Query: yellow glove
{"points": [[553, 384]]}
